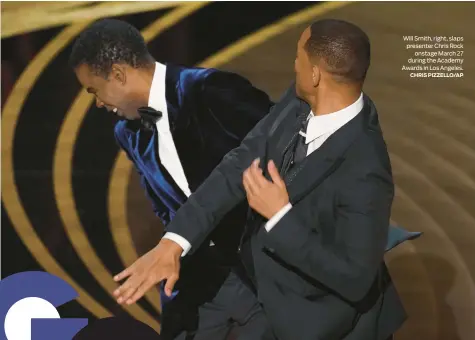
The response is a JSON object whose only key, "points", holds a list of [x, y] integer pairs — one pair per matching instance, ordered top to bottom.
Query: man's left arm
{"points": [[234, 103], [350, 265]]}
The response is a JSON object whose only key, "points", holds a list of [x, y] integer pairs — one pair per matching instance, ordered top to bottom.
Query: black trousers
{"points": [[233, 313]]}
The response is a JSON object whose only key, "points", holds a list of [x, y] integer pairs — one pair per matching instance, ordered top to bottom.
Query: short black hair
{"points": [[107, 42], [344, 48]]}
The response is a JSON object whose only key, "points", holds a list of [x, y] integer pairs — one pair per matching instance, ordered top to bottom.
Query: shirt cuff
{"points": [[276, 218], [182, 242]]}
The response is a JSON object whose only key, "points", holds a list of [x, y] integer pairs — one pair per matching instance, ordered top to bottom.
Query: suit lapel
{"points": [[172, 83], [178, 116], [283, 133], [315, 168]]}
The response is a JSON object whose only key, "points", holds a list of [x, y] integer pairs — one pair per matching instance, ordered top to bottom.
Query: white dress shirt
{"points": [[319, 129], [166, 146]]}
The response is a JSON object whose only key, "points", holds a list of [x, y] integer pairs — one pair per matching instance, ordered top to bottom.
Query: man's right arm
{"points": [[223, 189], [219, 193], [198, 216]]}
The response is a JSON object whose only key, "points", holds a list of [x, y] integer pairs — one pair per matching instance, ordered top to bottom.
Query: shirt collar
{"points": [[156, 97], [323, 124]]}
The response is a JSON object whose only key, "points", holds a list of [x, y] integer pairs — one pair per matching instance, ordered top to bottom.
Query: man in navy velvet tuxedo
{"points": [[177, 124]]}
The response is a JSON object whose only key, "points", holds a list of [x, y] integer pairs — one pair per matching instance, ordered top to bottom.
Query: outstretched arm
{"points": [[231, 107], [221, 191], [198, 216]]}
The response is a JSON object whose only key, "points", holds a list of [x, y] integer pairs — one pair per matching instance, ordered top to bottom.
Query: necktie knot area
{"points": [[149, 116]]}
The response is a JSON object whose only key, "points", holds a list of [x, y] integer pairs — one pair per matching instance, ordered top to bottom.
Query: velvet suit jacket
{"points": [[210, 112]]}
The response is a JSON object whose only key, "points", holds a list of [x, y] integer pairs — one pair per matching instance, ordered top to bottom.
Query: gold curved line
{"points": [[19, 8], [31, 19], [165, 22], [270, 31], [123, 167], [62, 181], [63, 191], [11, 199], [117, 214]]}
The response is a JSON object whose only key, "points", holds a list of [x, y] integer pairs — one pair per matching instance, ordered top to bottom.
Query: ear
{"points": [[118, 73], [315, 75]]}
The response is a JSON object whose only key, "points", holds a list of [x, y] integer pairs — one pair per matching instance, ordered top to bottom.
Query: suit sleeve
{"points": [[234, 103], [119, 134], [223, 189], [220, 192], [350, 265]]}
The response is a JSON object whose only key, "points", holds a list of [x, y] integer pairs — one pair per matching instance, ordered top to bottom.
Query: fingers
{"points": [[274, 174], [257, 175], [253, 180], [247, 182], [250, 183], [246, 187], [150, 269], [123, 274], [170, 284], [128, 288], [119, 291], [140, 292], [127, 294]]}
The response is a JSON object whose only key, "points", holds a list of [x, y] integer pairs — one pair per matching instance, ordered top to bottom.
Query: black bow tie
{"points": [[149, 116]]}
